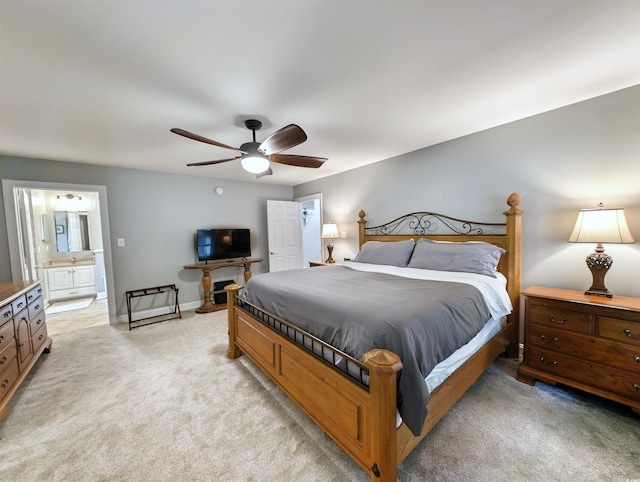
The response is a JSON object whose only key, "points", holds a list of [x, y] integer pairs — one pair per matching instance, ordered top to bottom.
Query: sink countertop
{"points": [[59, 263]]}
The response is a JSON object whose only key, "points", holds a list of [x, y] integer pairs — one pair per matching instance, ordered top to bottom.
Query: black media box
{"points": [[220, 298]]}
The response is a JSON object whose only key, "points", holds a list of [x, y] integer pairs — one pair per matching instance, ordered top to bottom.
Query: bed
{"points": [[361, 402]]}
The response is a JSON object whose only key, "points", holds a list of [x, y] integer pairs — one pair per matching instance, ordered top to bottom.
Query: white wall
{"points": [[559, 162]]}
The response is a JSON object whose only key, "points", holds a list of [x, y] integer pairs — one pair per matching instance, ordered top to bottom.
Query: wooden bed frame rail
{"points": [[363, 422]]}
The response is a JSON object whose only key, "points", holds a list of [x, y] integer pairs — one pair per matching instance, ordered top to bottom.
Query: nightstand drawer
{"points": [[558, 317], [619, 330], [586, 347], [623, 383]]}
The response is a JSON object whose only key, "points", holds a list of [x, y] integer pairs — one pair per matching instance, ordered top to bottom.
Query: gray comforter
{"points": [[421, 321]]}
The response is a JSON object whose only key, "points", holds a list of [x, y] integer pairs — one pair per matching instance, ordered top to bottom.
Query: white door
{"points": [[285, 229]]}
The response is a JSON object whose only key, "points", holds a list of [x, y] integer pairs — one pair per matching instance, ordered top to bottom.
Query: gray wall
{"points": [[559, 162], [157, 215]]}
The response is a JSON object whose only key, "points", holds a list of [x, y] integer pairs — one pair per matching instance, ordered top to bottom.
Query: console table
{"points": [[208, 306]]}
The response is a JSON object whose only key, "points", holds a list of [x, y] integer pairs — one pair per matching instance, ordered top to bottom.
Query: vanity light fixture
{"points": [[599, 226]]}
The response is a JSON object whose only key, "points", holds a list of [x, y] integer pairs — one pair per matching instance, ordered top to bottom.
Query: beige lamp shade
{"points": [[601, 226], [329, 231]]}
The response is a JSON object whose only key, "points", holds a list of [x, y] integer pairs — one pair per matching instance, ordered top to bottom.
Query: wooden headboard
{"points": [[507, 235]]}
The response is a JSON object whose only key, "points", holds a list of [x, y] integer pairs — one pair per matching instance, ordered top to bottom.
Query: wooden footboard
{"points": [[360, 421]]}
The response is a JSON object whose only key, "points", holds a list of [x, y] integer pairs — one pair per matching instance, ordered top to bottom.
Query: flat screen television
{"points": [[217, 244]]}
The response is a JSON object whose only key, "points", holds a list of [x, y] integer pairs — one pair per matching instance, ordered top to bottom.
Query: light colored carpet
{"points": [[68, 305], [163, 403]]}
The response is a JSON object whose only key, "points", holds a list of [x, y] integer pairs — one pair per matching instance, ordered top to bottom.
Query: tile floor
{"points": [[97, 313]]}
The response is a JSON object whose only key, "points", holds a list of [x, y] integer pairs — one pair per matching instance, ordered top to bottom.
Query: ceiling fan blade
{"points": [[196, 137], [284, 139], [299, 161], [208, 163], [268, 172]]}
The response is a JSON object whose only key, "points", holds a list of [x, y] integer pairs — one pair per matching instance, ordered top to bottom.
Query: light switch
{"points": [[120, 242]]}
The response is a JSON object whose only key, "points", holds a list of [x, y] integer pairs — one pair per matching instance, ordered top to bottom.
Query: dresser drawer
{"points": [[34, 293], [20, 303], [36, 307], [5, 312], [559, 317], [35, 322], [619, 330], [6, 334], [39, 337], [8, 354], [8, 377], [621, 382]]}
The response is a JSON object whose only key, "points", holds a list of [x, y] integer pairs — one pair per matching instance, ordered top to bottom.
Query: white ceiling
{"points": [[103, 81]]}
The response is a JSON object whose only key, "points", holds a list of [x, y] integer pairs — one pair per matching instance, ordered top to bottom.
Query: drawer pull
{"points": [[37, 307], [7, 314], [561, 320], [628, 333], [1, 338], [548, 340], [637, 359], [3, 361], [545, 362], [5, 384], [636, 386]]}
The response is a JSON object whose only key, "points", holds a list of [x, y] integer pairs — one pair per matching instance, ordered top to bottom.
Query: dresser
{"points": [[23, 335], [587, 342]]}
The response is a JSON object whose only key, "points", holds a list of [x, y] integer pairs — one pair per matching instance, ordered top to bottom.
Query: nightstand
{"points": [[320, 263], [587, 342]]}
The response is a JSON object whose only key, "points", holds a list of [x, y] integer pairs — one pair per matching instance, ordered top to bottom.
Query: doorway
{"points": [[311, 213], [36, 237]]}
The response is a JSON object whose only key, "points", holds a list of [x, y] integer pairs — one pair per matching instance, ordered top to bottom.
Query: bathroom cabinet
{"points": [[73, 281]]}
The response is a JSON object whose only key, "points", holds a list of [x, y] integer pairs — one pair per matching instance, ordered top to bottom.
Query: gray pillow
{"points": [[394, 253], [471, 257]]}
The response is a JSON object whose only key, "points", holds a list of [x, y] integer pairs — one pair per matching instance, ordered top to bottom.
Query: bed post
{"points": [[362, 226], [514, 250], [233, 351], [383, 366]]}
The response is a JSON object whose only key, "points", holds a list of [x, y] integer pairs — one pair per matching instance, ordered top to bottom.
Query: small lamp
{"points": [[600, 226], [330, 232]]}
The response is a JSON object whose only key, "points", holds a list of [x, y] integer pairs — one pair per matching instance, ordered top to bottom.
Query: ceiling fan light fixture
{"points": [[255, 164]]}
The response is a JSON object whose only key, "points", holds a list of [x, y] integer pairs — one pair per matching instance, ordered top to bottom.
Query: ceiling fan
{"points": [[256, 157]]}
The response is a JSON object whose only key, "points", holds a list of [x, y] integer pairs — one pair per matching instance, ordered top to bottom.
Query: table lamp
{"points": [[599, 226], [330, 232]]}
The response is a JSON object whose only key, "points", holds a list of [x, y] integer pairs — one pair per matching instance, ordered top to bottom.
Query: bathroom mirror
{"points": [[72, 231]]}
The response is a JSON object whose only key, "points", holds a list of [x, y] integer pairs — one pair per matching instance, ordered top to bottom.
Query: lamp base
{"points": [[330, 258], [599, 263]]}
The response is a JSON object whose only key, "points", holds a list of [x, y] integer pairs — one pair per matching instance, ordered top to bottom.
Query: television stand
{"points": [[209, 306]]}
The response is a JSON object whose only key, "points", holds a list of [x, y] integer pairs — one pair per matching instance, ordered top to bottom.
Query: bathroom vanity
{"points": [[70, 278]]}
